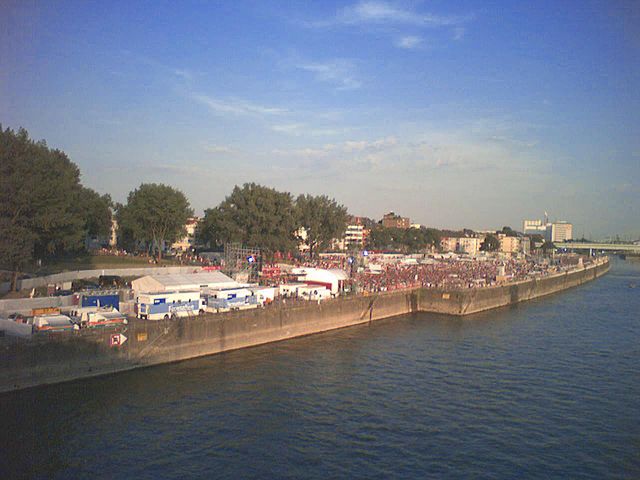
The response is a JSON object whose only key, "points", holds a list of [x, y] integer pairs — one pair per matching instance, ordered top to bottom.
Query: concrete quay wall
{"points": [[465, 302], [53, 358]]}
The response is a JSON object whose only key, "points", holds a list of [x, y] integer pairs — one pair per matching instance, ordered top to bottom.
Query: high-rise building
{"points": [[531, 227], [551, 231], [560, 231]]}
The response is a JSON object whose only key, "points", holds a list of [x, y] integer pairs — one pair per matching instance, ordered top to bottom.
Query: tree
{"points": [[39, 198], [96, 210], [154, 214], [254, 215], [322, 218], [509, 232], [380, 238], [410, 239], [490, 244], [547, 245]]}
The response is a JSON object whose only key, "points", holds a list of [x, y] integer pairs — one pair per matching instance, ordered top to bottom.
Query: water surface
{"points": [[546, 389]]}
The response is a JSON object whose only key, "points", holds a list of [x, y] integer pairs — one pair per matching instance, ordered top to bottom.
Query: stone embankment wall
{"points": [[465, 302], [51, 359]]}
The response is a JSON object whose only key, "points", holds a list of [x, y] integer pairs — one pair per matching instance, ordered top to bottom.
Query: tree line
{"points": [[44, 209], [46, 212]]}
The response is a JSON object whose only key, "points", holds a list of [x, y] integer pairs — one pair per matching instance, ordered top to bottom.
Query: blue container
{"points": [[106, 300]]}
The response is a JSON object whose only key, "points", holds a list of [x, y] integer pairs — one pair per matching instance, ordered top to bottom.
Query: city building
{"points": [[391, 220], [532, 227], [559, 232], [301, 235], [354, 236], [188, 241], [448, 244], [509, 244], [469, 245], [514, 245]]}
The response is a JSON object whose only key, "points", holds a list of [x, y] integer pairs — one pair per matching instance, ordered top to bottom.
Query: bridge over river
{"points": [[629, 248]]}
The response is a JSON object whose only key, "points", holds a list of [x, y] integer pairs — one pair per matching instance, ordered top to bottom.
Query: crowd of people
{"points": [[455, 273]]}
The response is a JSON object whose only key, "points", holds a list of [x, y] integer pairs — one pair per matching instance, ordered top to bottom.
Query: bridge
{"points": [[602, 247]]}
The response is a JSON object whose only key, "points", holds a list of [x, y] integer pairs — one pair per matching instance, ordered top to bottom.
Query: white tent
{"points": [[333, 279], [186, 281]]}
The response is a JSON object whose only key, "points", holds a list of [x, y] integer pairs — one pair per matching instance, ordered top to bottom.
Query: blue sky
{"points": [[457, 114]]}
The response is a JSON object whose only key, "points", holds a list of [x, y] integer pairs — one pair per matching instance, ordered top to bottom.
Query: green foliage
{"points": [[40, 198], [96, 210], [154, 214], [253, 215], [322, 218], [509, 232], [406, 240], [490, 244], [547, 246]]}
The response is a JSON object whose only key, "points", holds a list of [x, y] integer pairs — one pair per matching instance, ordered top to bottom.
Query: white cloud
{"points": [[379, 12], [458, 33], [409, 42], [340, 72], [237, 106], [289, 128], [300, 129], [347, 147], [218, 149]]}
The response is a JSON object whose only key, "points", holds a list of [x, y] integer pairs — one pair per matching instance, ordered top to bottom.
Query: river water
{"points": [[546, 389]]}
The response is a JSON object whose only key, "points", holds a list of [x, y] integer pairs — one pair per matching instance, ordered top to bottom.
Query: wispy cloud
{"points": [[379, 12], [458, 33], [409, 42], [340, 72], [183, 73], [236, 106], [289, 128], [301, 129], [347, 147], [218, 149]]}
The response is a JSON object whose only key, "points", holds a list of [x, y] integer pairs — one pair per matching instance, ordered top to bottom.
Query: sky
{"points": [[456, 114]]}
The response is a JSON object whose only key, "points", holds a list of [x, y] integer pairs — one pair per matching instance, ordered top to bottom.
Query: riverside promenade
{"points": [[58, 358]]}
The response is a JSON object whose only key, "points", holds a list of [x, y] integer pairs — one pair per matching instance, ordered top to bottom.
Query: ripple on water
{"points": [[547, 389]]}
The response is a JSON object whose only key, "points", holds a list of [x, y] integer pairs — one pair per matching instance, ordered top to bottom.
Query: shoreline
{"points": [[60, 358]]}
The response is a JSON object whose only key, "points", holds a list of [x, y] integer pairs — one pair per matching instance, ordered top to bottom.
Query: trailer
{"points": [[289, 290], [313, 292], [264, 295], [225, 299], [165, 305], [97, 317], [54, 323]]}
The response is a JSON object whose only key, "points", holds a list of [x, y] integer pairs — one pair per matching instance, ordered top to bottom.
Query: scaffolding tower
{"points": [[242, 262]]}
